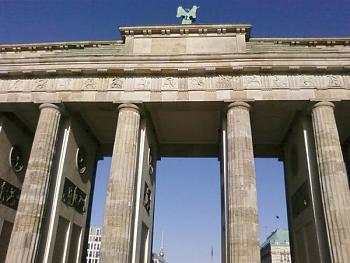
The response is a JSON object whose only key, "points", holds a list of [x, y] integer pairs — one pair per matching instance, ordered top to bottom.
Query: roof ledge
{"points": [[193, 29]]}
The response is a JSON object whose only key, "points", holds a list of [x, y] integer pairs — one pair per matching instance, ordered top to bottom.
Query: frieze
{"points": [[307, 81], [334, 81], [224, 82], [252, 82], [279, 82], [117, 83], [169, 83], [197, 83], [41, 84], [64, 84], [90, 84], [141, 84], [15, 85], [9, 194], [73, 196]]}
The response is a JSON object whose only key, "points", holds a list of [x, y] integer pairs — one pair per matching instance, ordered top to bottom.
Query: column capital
{"points": [[239, 104], [323, 104], [50, 105], [129, 106]]}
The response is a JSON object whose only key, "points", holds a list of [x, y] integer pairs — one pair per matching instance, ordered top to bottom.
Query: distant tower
{"points": [[161, 250], [212, 255], [160, 257]]}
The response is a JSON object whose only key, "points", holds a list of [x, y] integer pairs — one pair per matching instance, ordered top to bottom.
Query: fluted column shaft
{"points": [[333, 179], [118, 221], [242, 225], [26, 234]]}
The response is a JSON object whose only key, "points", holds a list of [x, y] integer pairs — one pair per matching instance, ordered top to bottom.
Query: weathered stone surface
{"points": [[333, 178], [118, 223], [242, 225], [25, 239]]}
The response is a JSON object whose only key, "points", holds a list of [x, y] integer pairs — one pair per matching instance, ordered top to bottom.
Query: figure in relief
{"points": [[334, 81]]}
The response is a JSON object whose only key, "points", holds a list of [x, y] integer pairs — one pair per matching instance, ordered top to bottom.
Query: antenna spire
{"points": [[161, 251]]}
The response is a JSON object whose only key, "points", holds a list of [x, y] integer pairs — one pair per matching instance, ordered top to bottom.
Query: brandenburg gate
{"points": [[172, 91]]}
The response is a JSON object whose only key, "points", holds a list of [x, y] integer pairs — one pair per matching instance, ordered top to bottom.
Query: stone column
{"points": [[333, 179], [118, 222], [242, 225], [26, 235]]}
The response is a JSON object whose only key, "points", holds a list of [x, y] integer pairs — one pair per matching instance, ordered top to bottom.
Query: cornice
{"points": [[186, 29], [322, 41], [56, 45], [166, 67]]}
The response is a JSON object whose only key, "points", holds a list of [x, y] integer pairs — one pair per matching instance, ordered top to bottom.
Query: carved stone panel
{"points": [[279, 81], [307, 81], [334, 81], [224, 82], [252, 82], [116, 83], [170, 83], [196, 83], [90, 84], [16, 85], [40, 85], [16, 159], [80, 160], [9, 194], [73, 196], [147, 198]]}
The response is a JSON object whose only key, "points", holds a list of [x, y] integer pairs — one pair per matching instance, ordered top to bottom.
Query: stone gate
{"points": [[190, 90]]}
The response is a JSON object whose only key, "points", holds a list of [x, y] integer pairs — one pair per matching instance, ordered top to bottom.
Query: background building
{"points": [[94, 245], [276, 248], [158, 258]]}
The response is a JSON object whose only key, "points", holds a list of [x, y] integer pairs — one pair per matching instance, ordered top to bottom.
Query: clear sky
{"points": [[188, 194]]}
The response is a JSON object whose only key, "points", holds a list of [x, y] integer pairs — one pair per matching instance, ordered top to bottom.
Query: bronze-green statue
{"points": [[188, 15]]}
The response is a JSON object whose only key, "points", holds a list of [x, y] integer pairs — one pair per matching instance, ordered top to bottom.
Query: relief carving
{"points": [[308, 81], [334, 81], [224, 82], [252, 82], [279, 82], [117, 83], [169, 83], [197, 83], [41, 84], [90, 84], [16, 85], [16, 159], [80, 160], [150, 162], [9, 194], [73, 196], [147, 198]]}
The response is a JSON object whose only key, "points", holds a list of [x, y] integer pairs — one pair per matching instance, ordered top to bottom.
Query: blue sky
{"points": [[188, 196]]}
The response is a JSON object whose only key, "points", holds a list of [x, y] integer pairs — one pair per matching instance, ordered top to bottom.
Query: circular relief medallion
{"points": [[16, 159], [80, 160]]}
